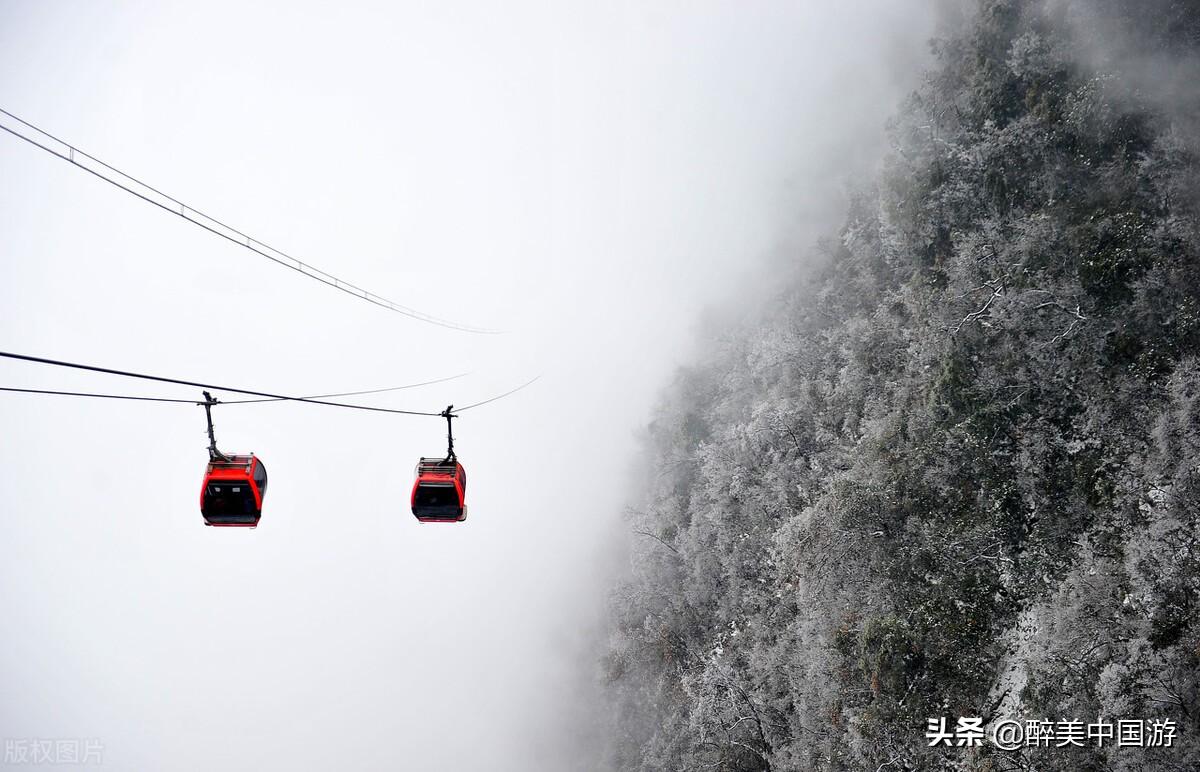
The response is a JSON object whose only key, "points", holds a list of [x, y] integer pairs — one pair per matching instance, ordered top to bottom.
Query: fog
{"points": [[589, 178]]}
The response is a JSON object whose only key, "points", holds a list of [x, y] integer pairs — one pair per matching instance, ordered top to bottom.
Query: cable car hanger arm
{"points": [[449, 416], [213, 453]]}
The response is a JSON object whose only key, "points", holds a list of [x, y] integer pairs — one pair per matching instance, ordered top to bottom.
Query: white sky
{"points": [[591, 177]]}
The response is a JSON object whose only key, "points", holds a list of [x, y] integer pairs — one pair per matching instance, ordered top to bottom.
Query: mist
{"points": [[591, 179]]}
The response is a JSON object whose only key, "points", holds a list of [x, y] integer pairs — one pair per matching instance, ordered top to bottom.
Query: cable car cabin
{"points": [[233, 491], [439, 494]]}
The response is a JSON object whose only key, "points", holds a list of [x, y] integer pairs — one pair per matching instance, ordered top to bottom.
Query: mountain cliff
{"points": [[953, 471]]}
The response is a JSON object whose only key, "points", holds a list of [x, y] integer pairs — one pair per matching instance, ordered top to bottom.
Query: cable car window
{"points": [[260, 478], [436, 495], [229, 500]]}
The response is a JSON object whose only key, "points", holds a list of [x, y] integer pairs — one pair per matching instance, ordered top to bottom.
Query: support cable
{"points": [[176, 207], [180, 382], [267, 397]]}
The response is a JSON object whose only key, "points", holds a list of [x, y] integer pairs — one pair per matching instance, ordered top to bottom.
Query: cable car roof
{"points": [[440, 466]]}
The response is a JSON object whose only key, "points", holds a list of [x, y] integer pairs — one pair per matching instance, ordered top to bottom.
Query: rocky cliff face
{"points": [[954, 472]]}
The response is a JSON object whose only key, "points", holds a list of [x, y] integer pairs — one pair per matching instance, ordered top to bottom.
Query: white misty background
{"points": [[590, 177]]}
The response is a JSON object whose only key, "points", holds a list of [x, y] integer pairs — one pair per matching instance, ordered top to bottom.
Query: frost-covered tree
{"points": [[956, 471]]}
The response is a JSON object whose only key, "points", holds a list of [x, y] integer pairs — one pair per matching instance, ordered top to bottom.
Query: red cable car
{"points": [[234, 487], [233, 491], [439, 493]]}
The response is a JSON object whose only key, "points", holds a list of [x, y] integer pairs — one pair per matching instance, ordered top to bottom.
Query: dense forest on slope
{"points": [[954, 471]]}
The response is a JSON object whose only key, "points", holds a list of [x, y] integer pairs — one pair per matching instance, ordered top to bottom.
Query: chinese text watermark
{"points": [[1011, 734], [53, 751]]}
